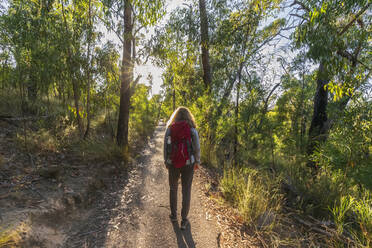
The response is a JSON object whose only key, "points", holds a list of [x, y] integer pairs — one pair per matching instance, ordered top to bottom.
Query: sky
{"points": [[149, 68]]}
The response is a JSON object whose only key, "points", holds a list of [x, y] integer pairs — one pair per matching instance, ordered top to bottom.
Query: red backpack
{"points": [[181, 143]]}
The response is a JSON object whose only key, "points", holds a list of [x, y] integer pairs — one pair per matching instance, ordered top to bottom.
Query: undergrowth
{"points": [[60, 134], [254, 193], [259, 197]]}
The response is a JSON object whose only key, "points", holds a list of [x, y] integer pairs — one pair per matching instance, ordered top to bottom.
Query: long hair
{"points": [[182, 114]]}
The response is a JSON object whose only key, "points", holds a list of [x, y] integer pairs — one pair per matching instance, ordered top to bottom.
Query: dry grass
{"points": [[39, 141], [97, 149], [11, 237]]}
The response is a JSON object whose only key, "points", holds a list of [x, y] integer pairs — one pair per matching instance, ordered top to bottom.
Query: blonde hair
{"points": [[182, 114]]}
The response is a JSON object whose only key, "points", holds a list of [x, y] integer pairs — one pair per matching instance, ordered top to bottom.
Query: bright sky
{"points": [[149, 68]]}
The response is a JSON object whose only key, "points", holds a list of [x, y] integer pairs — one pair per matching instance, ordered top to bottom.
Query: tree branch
{"points": [[303, 6], [298, 16], [354, 19], [112, 29], [352, 59], [134, 83]]}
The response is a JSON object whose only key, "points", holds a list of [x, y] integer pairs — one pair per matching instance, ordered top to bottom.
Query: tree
{"points": [[136, 15], [335, 36], [204, 44], [88, 67], [125, 78]]}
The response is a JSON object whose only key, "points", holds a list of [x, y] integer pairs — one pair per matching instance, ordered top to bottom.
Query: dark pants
{"points": [[186, 173]]}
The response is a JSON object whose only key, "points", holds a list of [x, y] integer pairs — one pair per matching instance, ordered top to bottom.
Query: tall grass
{"points": [[92, 149], [254, 193], [332, 196], [363, 210], [339, 212], [354, 216]]}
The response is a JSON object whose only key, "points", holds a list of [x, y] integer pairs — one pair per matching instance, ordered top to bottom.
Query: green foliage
{"points": [[149, 12], [331, 36], [144, 115], [247, 118], [349, 145], [363, 210]]}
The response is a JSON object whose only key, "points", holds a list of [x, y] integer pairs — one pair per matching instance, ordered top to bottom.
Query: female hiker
{"points": [[181, 156]]}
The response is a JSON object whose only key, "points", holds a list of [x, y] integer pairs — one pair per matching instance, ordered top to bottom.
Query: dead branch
{"points": [[25, 118], [315, 225]]}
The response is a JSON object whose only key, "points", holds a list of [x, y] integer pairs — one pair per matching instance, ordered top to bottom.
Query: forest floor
{"points": [[58, 200]]}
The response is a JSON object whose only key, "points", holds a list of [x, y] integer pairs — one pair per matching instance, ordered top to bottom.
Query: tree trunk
{"points": [[88, 72], [126, 78], [207, 78], [75, 88], [32, 89], [236, 118], [319, 123]]}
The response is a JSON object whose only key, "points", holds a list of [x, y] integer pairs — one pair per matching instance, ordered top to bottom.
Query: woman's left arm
{"points": [[196, 145]]}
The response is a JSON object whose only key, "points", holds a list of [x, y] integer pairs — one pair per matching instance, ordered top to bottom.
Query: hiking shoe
{"points": [[173, 218], [184, 224]]}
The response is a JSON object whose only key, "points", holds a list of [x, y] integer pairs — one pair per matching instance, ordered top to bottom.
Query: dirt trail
{"points": [[137, 214], [149, 225]]}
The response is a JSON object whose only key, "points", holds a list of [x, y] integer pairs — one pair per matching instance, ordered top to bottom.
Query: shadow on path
{"points": [[114, 207], [184, 237]]}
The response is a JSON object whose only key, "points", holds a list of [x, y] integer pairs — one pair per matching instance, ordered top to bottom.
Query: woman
{"points": [[181, 156]]}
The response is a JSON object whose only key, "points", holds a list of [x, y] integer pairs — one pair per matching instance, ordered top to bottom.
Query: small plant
{"points": [[339, 212]]}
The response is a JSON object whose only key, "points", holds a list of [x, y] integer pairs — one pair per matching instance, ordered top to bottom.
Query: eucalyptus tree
{"points": [[127, 18], [78, 22], [336, 35], [92, 37], [236, 40], [237, 51]]}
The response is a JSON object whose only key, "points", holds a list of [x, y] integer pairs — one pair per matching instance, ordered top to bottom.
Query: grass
{"points": [[95, 149], [254, 193], [329, 196], [339, 212], [11, 236], [9, 239]]}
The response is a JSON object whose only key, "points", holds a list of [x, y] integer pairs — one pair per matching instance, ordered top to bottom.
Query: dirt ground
{"points": [[54, 199], [82, 205], [137, 215]]}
